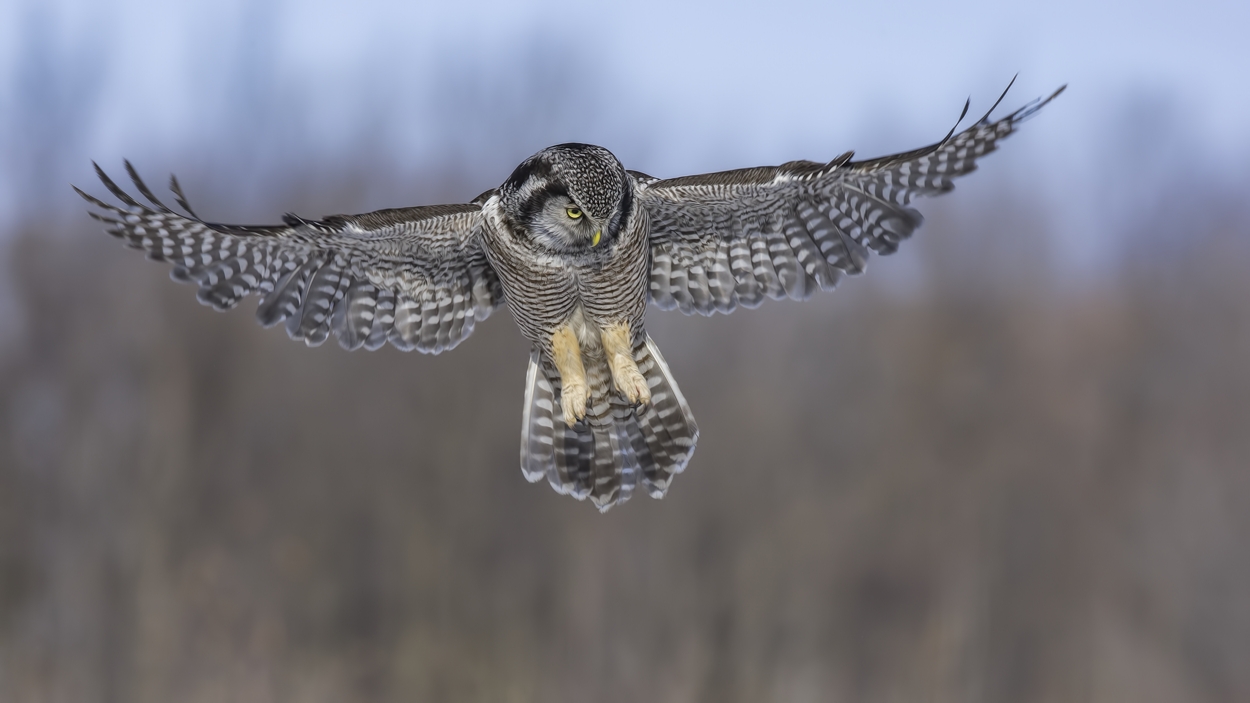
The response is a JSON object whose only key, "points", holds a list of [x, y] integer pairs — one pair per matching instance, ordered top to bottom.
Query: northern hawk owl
{"points": [[576, 246]]}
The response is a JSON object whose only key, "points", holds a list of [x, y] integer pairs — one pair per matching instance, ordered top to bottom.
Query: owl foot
{"points": [[628, 380], [574, 393], [574, 397]]}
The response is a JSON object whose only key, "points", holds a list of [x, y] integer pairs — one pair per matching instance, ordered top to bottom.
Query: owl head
{"points": [[569, 198]]}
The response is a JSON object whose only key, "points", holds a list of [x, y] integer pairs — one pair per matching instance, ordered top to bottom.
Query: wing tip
{"points": [[986, 118]]}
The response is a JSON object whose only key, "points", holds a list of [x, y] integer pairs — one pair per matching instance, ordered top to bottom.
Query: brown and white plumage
{"points": [[576, 246]]}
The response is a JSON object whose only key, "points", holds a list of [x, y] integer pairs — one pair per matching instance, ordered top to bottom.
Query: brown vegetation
{"points": [[1000, 484]]}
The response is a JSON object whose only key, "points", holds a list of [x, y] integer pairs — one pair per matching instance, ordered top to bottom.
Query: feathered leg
{"points": [[567, 355], [626, 377]]}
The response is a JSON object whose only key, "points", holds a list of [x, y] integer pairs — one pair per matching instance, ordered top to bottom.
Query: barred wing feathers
{"points": [[732, 238], [414, 277]]}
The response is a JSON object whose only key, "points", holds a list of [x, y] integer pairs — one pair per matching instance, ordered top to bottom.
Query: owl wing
{"points": [[719, 240], [416, 277]]}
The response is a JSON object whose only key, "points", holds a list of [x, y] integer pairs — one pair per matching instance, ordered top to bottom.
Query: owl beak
{"points": [[594, 242]]}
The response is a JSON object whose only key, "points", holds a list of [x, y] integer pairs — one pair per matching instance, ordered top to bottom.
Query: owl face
{"points": [[570, 198]]}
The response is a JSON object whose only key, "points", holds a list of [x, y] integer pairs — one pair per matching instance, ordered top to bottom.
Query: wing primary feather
{"points": [[1031, 108], [962, 114], [986, 118], [114, 189], [143, 189], [179, 197], [98, 203], [807, 251], [325, 289]]}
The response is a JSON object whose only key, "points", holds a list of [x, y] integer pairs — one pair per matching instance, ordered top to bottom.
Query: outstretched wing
{"points": [[735, 237], [416, 277]]}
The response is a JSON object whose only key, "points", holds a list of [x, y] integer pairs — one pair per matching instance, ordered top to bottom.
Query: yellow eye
{"points": [[573, 212]]}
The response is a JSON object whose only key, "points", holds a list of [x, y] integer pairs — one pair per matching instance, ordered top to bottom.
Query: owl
{"points": [[576, 246]]}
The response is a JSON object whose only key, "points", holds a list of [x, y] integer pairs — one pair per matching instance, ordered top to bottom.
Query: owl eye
{"points": [[573, 212]]}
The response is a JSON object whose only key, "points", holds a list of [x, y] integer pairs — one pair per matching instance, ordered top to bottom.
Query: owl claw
{"points": [[567, 355], [628, 380], [631, 384], [573, 399]]}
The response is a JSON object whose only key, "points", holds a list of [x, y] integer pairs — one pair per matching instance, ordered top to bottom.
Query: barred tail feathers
{"points": [[606, 455]]}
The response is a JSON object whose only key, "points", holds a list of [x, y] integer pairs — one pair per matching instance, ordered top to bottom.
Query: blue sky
{"points": [[671, 87]]}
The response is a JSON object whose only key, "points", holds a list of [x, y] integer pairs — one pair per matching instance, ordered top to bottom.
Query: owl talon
{"points": [[626, 377], [631, 384], [574, 393], [573, 400]]}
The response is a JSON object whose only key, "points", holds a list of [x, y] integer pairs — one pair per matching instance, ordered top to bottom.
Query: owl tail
{"points": [[605, 455]]}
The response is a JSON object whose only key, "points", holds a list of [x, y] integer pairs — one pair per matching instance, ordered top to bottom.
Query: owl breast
{"points": [[545, 290]]}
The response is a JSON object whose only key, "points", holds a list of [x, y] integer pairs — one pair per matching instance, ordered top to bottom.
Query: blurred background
{"points": [[1011, 463]]}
